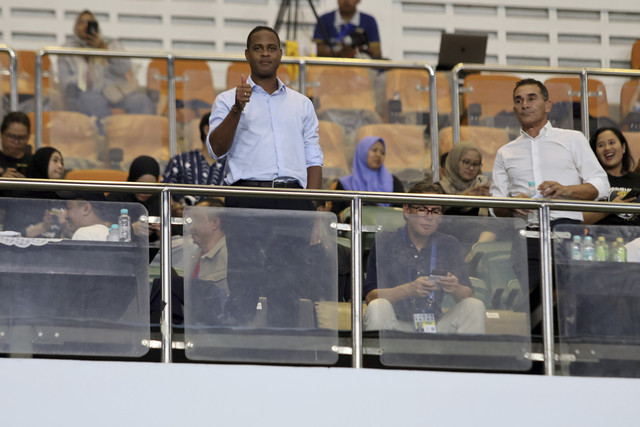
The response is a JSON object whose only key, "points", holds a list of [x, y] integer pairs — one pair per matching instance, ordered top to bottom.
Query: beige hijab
{"points": [[452, 183]]}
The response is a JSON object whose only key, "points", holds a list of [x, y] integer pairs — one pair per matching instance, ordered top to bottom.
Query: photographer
{"points": [[347, 33], [94, 85]]}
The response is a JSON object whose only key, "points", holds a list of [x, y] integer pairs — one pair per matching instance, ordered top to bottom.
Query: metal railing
{"points": [[302, 62], [13, 76], [357, 199]]}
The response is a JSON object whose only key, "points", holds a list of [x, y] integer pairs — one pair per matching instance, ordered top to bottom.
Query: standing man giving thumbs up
{"points": [[268, 131]]}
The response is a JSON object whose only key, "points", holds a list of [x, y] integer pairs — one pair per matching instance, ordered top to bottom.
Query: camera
{"points": [[92, 27], [356, 38]]}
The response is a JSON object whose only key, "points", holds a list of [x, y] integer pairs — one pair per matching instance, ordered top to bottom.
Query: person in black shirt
{"points": [[612, 150], [14, 157]]}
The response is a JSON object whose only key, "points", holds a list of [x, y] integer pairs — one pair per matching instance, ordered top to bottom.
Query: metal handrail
{"points": [[302, 62], [13, 76], [357, 199]]}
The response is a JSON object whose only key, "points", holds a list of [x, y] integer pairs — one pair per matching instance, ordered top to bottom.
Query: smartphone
{"points": [[92, 27], [481, 179], [635, 193], [436, 275]]}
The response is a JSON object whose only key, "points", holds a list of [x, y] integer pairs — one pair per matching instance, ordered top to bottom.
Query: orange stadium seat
{"points": [[635, 55], [26, 71], [193, 82], [412, 85], [336, 87], [568, 89], [492, 92], [629, 95], [73, 134], [137, 135], [633, 139], [489, 140], [332, 143], [406, 155], [97, 175]]}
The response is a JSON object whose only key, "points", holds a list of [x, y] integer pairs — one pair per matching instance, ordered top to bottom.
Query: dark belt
{"points": [[271, 184]]}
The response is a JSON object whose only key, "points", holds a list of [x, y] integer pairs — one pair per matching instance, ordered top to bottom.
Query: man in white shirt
{"points": [[559, 161], [85, 221]]}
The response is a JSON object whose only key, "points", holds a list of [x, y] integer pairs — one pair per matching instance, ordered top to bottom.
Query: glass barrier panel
{"points": [[5, 87], [253, 278], [65, 289], [443, 291], [598, 298]]}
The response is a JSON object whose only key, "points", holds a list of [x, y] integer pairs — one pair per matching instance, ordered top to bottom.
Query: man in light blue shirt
{"points": [[268, 132], [269, 135]]}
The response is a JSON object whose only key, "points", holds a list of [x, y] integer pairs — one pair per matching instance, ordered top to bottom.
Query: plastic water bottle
{"points": [[395, 108], [533, 220], [124, 223], [114, 233], [576, 248], [602, 249], [588, 250], [618, 251]]}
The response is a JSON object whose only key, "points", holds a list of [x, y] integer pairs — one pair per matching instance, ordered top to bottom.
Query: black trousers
{"points": [[266, 256]]}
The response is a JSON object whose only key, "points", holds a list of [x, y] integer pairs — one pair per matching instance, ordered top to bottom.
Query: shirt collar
{"points": [[354, 21], [281, 86], [543, 132], [215, 249]]}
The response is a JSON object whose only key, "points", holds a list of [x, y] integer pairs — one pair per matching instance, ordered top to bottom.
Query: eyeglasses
{"points": [[18, 138], [470, 164], [424, 211]]}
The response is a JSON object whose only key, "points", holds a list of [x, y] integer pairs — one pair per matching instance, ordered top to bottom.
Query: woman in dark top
{"points": [[612, 150], [143, 169], [369, 172]]}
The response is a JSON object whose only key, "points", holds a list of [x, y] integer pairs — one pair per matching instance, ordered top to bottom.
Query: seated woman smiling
{"points": [[612, 150]]}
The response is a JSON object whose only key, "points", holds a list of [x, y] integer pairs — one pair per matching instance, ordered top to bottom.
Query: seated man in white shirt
{"points": [[559, 162], [86, 221]]}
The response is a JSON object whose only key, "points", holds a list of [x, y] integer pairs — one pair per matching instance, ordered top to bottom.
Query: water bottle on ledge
{"points": [[124, 224], [114, 233], [576, 248], [602, 249], [588, 250], [618, 251]]}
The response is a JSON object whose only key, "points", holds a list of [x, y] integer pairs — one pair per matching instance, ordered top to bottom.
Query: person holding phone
{"points": [[94, 85], [612, 150], [425, 266]]}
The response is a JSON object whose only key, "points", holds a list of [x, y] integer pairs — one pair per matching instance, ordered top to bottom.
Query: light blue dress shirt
{"points": [[277, 135]]}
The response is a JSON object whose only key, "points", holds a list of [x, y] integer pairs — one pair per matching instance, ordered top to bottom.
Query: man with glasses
{"points": [[15, 156], [405, 292]]}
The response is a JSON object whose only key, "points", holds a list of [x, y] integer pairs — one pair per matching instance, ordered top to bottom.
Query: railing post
{"points": [[171, 86], [39, 99], [584, 104], [433, 116], [356, 282], [546, 287], [166, 327]]}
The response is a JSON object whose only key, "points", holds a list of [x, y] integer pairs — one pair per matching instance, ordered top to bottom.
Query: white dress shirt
{"points": [[277, 135], [559, 155]]}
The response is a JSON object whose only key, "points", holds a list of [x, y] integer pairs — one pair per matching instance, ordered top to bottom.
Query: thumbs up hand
{"points": [[243, 93]]}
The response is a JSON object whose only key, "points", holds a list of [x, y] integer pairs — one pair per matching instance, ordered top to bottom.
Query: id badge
{"points": [[424, 323]]}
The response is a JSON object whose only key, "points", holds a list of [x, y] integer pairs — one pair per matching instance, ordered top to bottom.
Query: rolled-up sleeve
{"points": [[219, 110], [312, 150]]}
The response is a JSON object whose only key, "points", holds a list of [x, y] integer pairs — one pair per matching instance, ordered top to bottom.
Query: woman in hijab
{"points": [[46, 163], [143, 169], [369, 172], [463, 175]]}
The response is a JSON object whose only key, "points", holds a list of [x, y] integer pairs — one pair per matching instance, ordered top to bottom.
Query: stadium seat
{"points": [[635, 55], [26, 60], [193, 84], [412, 85], [335, 87], [568, 89], [487, 95], [629, 95], [73, 134], [137, 135], [488, 140], [332, 142], [406, 155], [97, 175]]}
